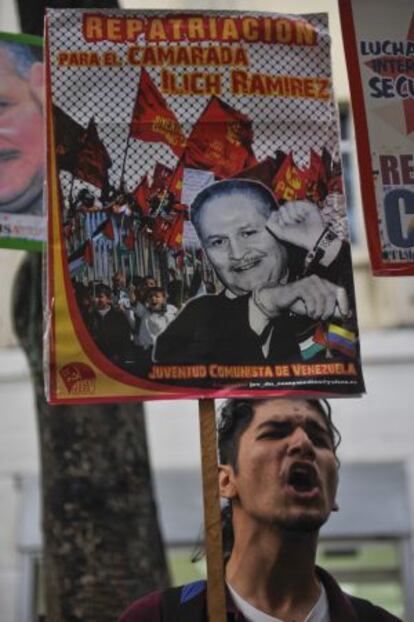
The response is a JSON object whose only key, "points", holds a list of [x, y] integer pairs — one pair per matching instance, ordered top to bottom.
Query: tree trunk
{"points": [[102, 543]]}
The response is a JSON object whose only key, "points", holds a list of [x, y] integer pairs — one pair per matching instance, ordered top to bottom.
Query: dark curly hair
{"points": [[235, 417]]}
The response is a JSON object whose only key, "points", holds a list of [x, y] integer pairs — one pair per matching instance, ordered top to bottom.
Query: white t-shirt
{"points": [[152, 324], [318, 613]]}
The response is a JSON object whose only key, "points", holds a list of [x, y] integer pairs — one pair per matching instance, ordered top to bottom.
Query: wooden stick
{"points": [[216, 595]]}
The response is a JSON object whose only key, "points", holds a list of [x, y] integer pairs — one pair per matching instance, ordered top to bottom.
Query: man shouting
{"points": [[279, 474]]}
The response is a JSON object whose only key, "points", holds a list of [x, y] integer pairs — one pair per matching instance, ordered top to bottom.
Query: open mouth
{"points": [[9, 154], [247, 265], [303, 479]]}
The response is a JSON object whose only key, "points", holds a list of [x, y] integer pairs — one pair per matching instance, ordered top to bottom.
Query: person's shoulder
{"points": [[171, 308], [188, 599], [342, 604], [145, 609], [368, 612]]}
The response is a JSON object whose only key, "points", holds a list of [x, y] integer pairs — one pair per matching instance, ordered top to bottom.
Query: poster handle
{"points": [[216, 596]]}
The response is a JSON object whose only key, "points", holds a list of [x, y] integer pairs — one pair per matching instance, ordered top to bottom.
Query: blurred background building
{"points": [[369, 544]]}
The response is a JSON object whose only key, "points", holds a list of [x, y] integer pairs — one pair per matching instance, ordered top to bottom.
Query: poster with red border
{"points": [[379, 47], [198, 241]]}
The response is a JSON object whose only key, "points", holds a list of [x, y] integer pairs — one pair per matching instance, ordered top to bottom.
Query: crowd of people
{"points": [[114, 202], [123, 209], [125, 319]]}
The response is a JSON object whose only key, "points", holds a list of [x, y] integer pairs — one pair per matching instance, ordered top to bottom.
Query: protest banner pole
{"points": [[216, 596]]}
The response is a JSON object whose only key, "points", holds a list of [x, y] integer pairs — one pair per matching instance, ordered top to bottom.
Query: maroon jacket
{"points": [[342, 608]]}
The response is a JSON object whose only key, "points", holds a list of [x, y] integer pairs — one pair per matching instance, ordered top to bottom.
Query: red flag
{"points": [[152, 120], [69, 137], [221, 141], [92, 159], [264, 172], [324, 176], [160, 178], [168, 179], [171, 180], [316, 180], [175, 183], [289, 183], [141, 194], [108, 229], [161, 230], [169, 232], [129, 239], [174, 239], [88, 252], [180, 259], [320, 336]]}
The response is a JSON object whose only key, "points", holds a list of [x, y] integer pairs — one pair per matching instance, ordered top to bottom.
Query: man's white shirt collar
{"points": [[318, 613]]}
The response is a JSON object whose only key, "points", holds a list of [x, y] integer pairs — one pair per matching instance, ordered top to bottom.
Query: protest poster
{"points": [[379, 47], [22, 147], [198, 243]]}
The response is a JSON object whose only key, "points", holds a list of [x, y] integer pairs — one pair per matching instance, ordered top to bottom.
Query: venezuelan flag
{"points": [[341, 339]]}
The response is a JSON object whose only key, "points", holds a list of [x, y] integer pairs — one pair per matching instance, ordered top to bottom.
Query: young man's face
{"points": [[21, 140], [242, 251], [287, 470]]}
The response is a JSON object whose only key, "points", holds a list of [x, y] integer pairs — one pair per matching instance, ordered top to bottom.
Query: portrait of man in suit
{"points": [[281, 270]]}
